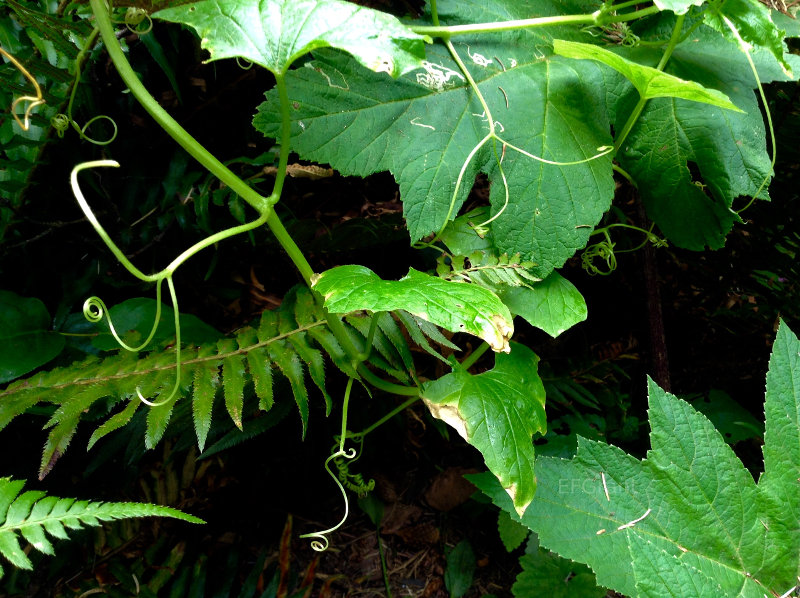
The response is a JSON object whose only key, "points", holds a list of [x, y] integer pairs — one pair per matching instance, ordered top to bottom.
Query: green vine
{"points": [[62, 122], [605, 250], [302, 331]]}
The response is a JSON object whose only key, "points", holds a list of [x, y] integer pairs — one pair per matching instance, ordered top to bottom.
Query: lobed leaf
{"points": [[275, 33], [423, 128], [690, 161], [457, 307], [497, 412], [689, 520]]}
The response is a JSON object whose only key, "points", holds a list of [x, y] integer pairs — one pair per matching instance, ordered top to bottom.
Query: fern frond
{"points": [[486, 269], [290, 341], [31, 514]]}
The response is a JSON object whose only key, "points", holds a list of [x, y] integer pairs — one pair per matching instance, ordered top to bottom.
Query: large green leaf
{"points": [[752, 21], [274, 33], [649, 82], [424, 127], [691, 161], [554, 304], [455, 306], [26, 340], [497, 412], [781, 478], [689, 520]]}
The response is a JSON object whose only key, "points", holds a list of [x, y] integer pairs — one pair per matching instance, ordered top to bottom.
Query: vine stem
{"points": [[597, 18], [745, 48], [637, 110], [165, 121], [264, 205], [470, 360], [399, 409]]}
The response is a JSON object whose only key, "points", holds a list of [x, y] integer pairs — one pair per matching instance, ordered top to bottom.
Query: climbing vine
{"points": [[549, 108]]}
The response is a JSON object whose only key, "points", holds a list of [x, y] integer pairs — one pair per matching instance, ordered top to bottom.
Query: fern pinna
{"points": [[290, 341], [31, 514]]}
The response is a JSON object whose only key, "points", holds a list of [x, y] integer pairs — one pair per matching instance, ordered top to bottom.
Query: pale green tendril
{"points": [[243, 63], [61, 122], [94, 309], [320, 540]]}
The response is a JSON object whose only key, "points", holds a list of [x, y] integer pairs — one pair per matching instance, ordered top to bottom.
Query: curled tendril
{"points": [[134, 17], [36, 100], [60, 123], [82, 130], [604, 250], [94, 310], [353, 481], [320, 540]]}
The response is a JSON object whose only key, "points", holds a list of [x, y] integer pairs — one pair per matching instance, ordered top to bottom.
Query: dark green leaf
{"points": [[423, 128], [133, 319], [26, 341], [460, 569]]}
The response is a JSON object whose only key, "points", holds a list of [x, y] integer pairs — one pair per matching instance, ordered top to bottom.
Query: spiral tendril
{"points": [[134, 17], [60, 123], [603, 250], [94, 310], [320, 541]]}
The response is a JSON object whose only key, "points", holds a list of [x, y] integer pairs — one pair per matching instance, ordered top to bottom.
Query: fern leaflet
{"points": [[487, 270], [291, 341], [31, 514]]}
